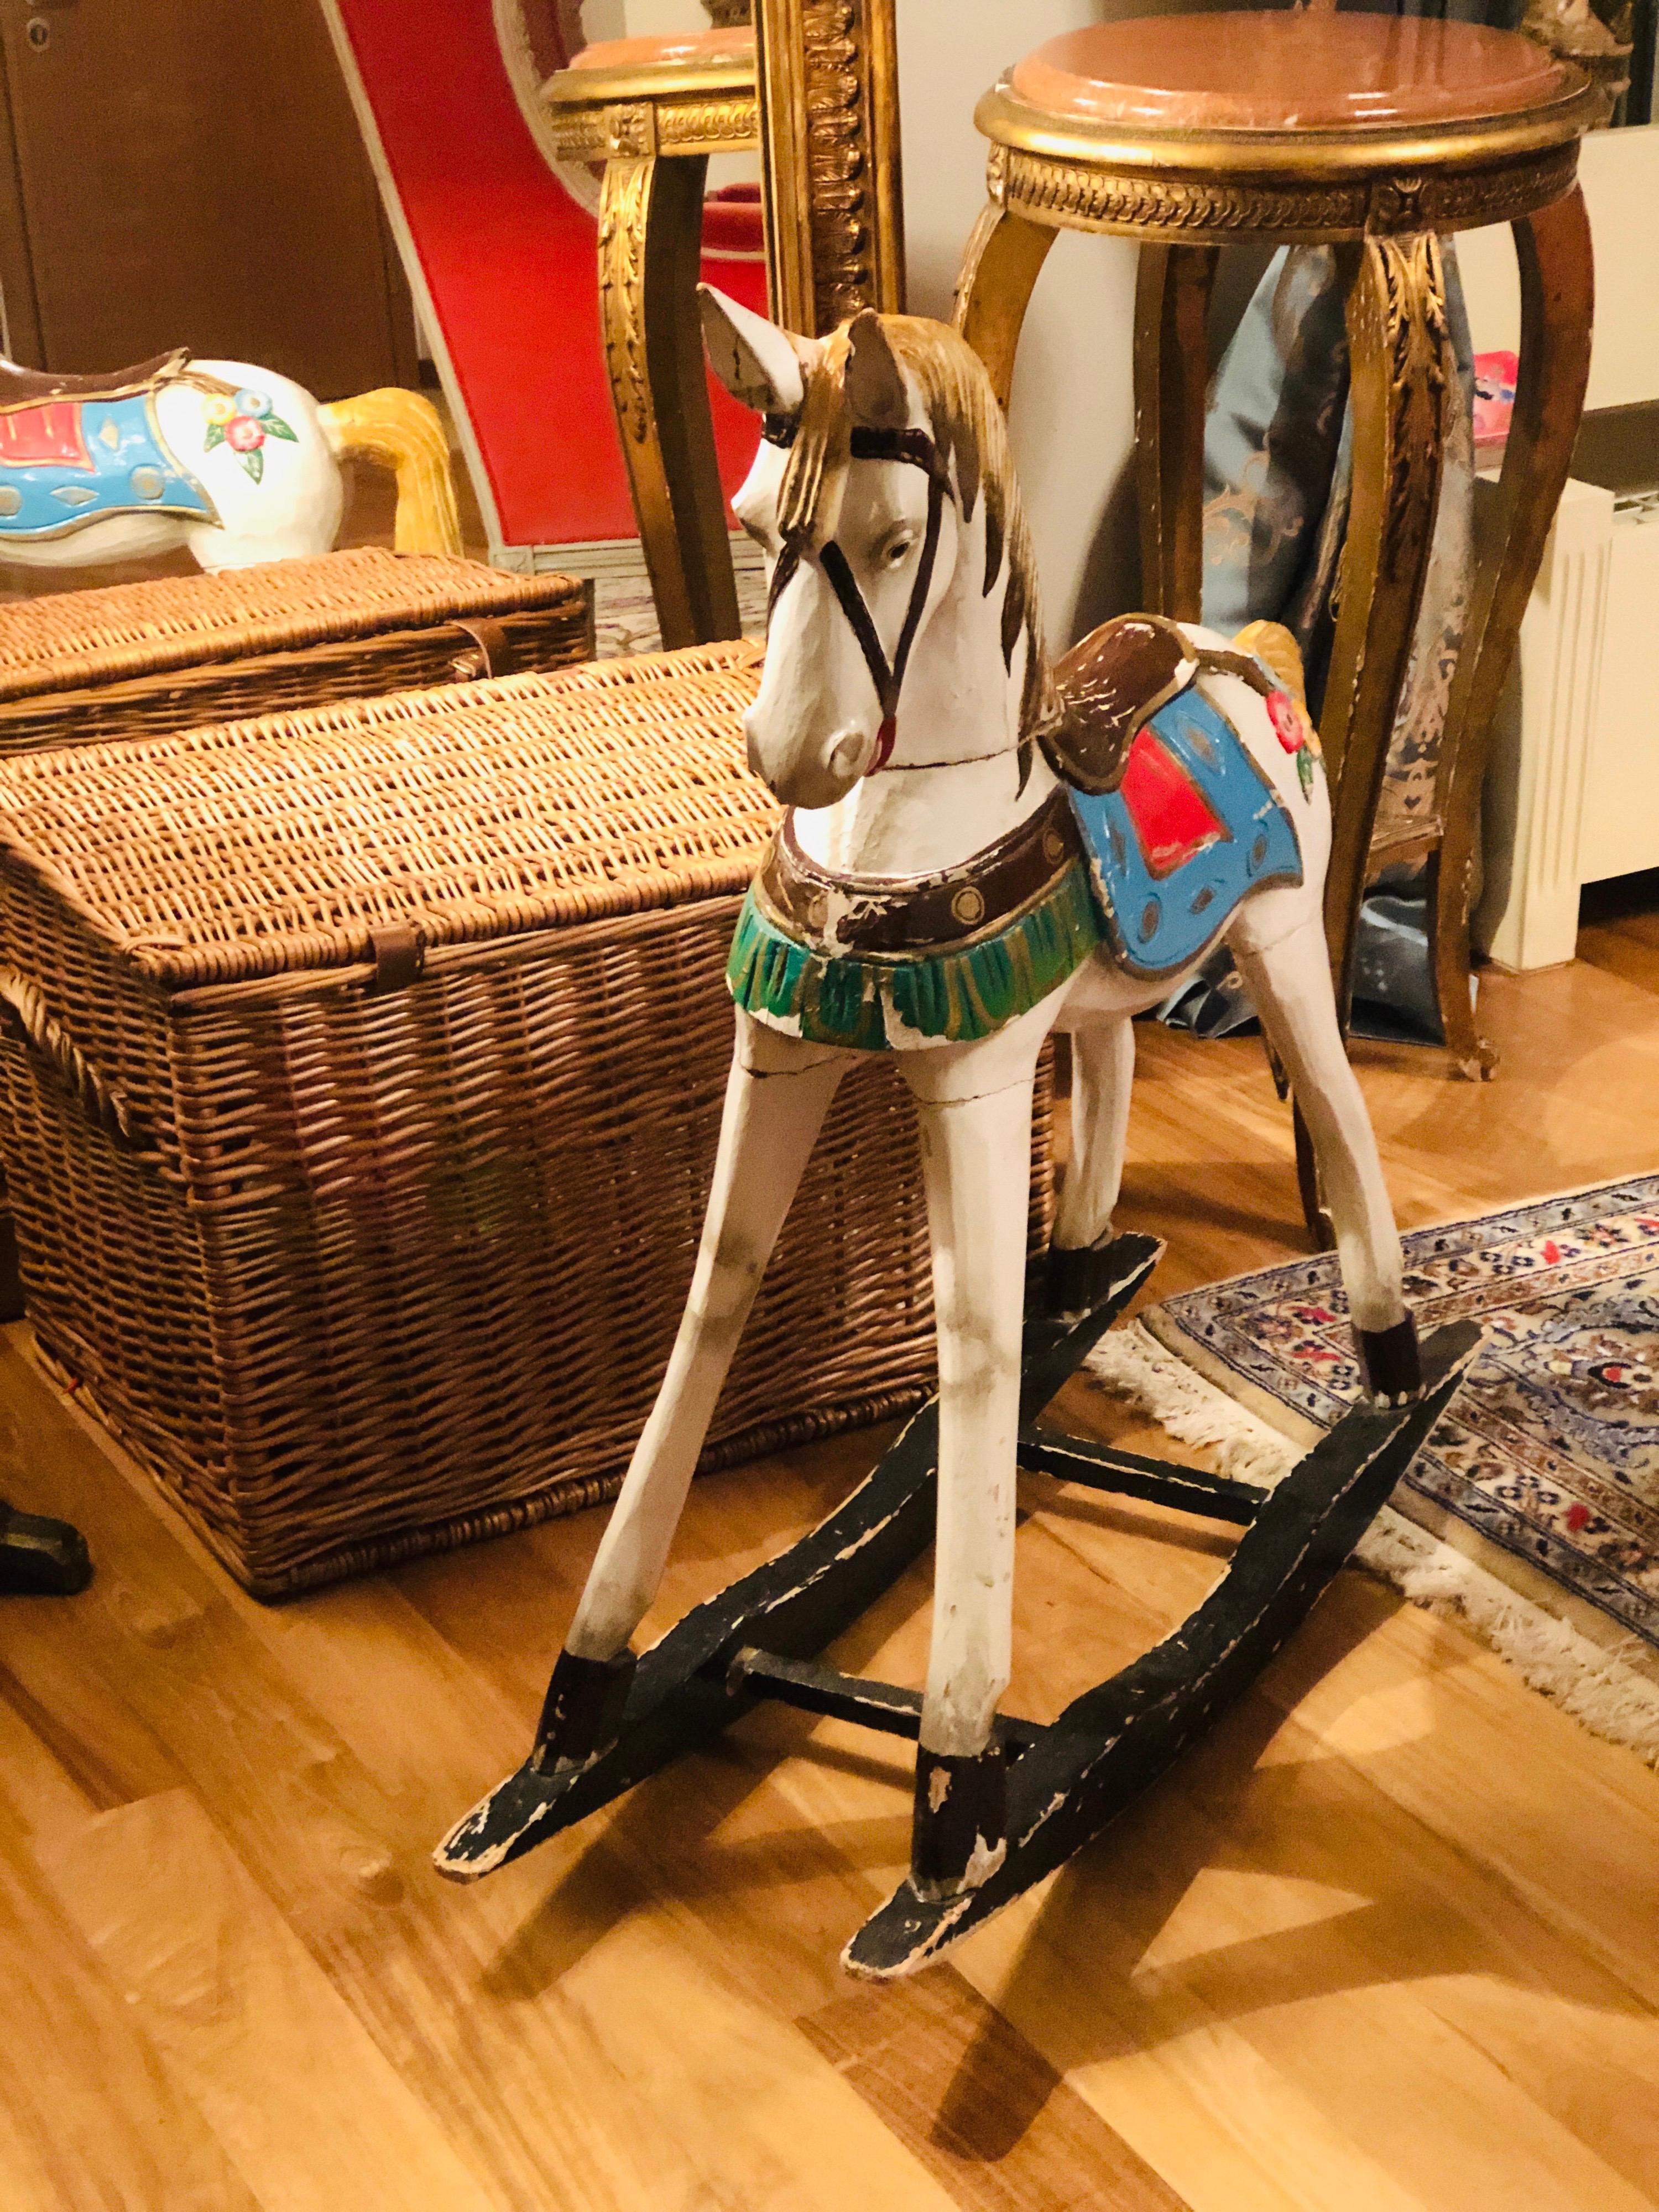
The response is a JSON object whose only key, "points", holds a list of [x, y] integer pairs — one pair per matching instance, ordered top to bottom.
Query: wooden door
{"points": [[189, 173]]}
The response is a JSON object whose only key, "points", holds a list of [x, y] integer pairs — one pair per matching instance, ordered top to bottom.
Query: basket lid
{"points": [[70, 640], [285, 843]]}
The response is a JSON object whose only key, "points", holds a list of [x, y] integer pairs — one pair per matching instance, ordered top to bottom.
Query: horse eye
{"points": [[898, 552]]}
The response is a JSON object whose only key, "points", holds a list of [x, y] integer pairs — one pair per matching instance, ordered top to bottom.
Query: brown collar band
{"points": [[910, 914]]}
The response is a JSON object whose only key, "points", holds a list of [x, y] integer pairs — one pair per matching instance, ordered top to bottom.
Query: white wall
{"points": [[1619, 170], [1072, 413]]}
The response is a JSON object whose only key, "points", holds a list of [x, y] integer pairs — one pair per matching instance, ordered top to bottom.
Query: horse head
{"points": [[884, 496]]}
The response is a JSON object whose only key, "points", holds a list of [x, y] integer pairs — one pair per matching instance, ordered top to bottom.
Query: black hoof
{"points": [[1391, 1363], [41, 1558], [583, 1710], [958, 1837]]}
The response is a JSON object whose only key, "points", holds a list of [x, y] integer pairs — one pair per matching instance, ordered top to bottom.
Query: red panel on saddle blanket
{"points": [[510, 263], [50, 436], [1172, 818]]}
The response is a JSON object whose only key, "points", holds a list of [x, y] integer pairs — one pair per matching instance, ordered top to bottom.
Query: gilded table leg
{"points": [[650, 241], [999, 270], [1557, 302], [1399, 353], [1172, 374], [1402, 378]]}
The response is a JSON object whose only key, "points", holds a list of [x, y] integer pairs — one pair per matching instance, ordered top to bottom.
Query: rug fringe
{"points": [[1588, 1681]]}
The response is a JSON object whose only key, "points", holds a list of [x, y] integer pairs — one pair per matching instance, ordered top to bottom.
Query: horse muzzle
{"points": [[818, 769]]}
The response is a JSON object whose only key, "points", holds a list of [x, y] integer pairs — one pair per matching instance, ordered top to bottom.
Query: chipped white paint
{"points": [[812, 734]]}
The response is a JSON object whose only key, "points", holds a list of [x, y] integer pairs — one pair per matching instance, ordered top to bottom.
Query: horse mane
{"points": [[971, 432]]}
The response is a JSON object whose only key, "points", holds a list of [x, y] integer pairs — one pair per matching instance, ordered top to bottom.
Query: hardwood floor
{"points": [[1389, 1940]]}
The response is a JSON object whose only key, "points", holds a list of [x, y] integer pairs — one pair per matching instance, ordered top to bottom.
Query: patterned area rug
{"points": [[1536, 1505]]}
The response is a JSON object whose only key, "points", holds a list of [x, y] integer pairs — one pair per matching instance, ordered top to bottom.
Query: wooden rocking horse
{"points": [[979, 850]]}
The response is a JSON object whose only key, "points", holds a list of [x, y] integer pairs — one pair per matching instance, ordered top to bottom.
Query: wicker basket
{"points": [[137, 661], [364, 1068]]}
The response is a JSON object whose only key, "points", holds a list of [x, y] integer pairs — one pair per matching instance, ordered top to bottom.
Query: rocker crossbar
{"points": [[883, 1706]]}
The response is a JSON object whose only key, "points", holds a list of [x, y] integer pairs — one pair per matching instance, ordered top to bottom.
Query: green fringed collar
{"points": [[945, 994]]}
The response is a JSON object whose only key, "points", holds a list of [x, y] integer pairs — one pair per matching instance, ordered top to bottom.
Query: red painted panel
{"points": [[509, 262], [33, 437], [1173, 819]]}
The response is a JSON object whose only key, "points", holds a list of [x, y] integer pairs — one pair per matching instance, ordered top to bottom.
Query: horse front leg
{"points": [[776, 1097], [975, 1153]]}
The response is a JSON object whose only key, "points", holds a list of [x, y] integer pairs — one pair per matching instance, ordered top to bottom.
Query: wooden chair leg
{"points": [[650, 244], [999, 270], [1557, 300], [1172, 376]]}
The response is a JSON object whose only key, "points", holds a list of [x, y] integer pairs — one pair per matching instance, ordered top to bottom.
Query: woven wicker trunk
{"points": [[136, 661], [364, 1069]]}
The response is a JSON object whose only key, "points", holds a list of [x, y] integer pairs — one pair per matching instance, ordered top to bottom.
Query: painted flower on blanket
{"points": [[245, 427], [1295, 733]]}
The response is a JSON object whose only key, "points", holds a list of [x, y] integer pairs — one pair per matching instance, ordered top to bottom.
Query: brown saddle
{"points": [[29, 387], [1119, 677]]}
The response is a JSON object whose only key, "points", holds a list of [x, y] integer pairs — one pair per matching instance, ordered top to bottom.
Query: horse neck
{"points": [[960, 707]]}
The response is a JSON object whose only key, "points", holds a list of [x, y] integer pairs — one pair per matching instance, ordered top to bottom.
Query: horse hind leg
{"points": [[1290, 981], [1103, 1075], [772, 1117]]}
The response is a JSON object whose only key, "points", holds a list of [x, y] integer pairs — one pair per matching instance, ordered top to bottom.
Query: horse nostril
{"points": [[847, 757]]}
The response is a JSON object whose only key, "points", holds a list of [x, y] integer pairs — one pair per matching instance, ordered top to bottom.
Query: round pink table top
{"points": [[682, 50], [1256, 69]]}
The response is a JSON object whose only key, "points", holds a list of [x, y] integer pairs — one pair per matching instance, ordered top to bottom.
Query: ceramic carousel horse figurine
{"points": [[232, 462], [978, 850]]}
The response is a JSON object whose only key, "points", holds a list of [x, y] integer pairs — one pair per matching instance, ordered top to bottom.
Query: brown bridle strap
{"points": [[916, 448]]}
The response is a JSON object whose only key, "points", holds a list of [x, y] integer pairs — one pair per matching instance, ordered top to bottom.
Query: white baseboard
{"points": [[599, 557]]}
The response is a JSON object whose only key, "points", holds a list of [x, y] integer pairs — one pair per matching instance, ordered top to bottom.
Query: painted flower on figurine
{"points": [[245, 427], [1285, 716], [1295, 733]]}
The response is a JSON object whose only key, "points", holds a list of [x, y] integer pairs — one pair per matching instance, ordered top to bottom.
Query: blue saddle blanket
{"points": [[64, 463], [1193, 827]]}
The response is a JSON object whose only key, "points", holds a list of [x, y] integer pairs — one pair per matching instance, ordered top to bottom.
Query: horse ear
{"points": [[760, 366], [875, 383]]}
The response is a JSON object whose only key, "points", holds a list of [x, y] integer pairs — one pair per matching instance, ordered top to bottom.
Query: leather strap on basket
{"points": [[493, 654], [398, 951], [104, 1104]]}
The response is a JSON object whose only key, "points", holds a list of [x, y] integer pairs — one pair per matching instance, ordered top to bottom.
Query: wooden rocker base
{"points": [[759, 1638]]}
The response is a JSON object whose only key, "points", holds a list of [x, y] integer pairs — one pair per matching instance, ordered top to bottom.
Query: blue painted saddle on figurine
{"points": [[69, 457], [1192, 826]]}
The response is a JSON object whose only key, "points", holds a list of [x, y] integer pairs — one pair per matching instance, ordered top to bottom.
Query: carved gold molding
{"points": [[712, 109], [702, 126], [830, 142], [1076, 195], [624, 206], [1416, 344]]}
